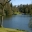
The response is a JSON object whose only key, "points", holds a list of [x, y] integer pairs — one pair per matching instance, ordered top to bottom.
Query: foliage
{"points": [[25, 8], [7, 9], [10, 9]]}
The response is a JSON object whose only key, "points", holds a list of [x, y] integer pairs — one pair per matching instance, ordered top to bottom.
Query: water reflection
{"points": [[17, 21]]}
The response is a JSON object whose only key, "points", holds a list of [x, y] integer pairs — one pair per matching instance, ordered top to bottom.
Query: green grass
{"points": [[16, 12], [10, 30]]}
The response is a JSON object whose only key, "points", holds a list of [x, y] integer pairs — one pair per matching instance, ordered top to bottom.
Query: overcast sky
{"points": [[18, 2]]}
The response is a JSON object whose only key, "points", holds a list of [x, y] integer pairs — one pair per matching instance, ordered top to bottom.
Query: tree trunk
{"points": [[1, 23]]}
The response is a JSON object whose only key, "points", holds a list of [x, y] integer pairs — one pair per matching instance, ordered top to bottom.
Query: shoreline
{"points": [[10, 30]]}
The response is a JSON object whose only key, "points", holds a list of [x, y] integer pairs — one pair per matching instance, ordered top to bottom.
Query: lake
{"points": [[17, 22]]}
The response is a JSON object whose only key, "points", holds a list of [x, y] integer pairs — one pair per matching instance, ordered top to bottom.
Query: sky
{"points": [[18, 2]]}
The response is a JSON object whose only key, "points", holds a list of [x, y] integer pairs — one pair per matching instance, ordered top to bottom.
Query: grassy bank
{"points": [[16, 12], [10, 30]]}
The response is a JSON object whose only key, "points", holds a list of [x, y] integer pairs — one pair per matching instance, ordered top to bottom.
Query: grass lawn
{"points": [[10, 30]]}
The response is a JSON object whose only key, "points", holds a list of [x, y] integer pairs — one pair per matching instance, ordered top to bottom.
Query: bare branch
{"points": [[8, 1], [1, 3], [5, 3]]}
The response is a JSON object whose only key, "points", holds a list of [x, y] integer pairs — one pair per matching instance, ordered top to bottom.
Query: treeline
{"points": [[27, 9]]}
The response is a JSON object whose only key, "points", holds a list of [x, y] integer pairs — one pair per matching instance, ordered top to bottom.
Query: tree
{"points": [[3, 3], [8, 10], [26, 10], [31, 12], [30, 23]]}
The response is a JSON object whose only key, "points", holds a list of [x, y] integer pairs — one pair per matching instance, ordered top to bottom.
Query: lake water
{"points": [[17, 22]]}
